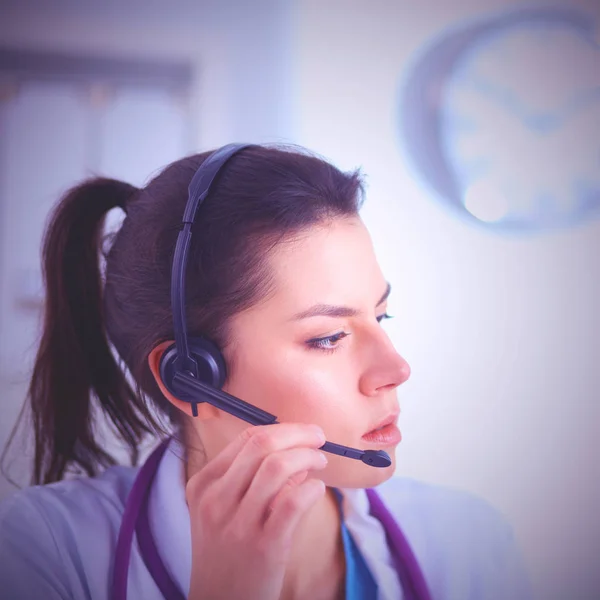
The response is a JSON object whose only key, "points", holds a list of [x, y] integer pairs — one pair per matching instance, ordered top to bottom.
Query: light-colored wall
{"points": [[239, 52], [501, 332]]}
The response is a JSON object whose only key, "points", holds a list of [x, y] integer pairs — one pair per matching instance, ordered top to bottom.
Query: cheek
{"points": [[295, 386], [311, 396]]}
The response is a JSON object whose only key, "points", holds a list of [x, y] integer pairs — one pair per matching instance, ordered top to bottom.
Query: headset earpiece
{"points": [[208, 358]]}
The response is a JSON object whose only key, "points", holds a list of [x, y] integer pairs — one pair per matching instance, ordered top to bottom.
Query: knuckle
{"points": [[248, 433], [262, 441], [274, 466], [290, 503]]}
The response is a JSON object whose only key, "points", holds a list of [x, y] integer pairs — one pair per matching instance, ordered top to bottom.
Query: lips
{"points": [[391, 418]]}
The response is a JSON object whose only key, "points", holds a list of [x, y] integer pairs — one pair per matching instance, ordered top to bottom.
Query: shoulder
{"points": [[420, 502], [66, 504], [437, 517], [55, 538], [461, 541]]}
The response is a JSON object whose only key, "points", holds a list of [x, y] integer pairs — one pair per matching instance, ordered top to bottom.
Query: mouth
{"points": [[391, 418], [385, 433]]}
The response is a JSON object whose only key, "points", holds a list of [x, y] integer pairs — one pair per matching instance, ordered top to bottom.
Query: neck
{"points": [[316, 568]]}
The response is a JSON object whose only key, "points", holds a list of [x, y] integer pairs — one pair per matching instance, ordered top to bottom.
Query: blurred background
{"points": [[477, 124]]}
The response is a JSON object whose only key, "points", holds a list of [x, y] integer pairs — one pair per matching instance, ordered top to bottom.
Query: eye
{"points": [[384, 316], [327, 344]]}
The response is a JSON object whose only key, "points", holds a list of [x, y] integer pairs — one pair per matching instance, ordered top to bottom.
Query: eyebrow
{"points": [[329, 310]]}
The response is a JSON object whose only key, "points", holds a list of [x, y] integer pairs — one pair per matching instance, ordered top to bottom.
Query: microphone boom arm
{"points": [[190, 388]]}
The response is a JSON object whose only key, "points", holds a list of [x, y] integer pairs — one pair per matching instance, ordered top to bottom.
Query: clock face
{"points": [[517, 121]]}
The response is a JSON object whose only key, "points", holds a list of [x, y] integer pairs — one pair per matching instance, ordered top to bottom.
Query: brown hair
{"points": [[96, 323]]}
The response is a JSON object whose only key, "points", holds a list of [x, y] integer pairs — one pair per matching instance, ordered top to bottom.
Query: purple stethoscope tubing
{"points": [[135, 520]]}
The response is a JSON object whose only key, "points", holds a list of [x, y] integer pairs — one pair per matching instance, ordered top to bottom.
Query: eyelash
{"points": [[318, 344]]}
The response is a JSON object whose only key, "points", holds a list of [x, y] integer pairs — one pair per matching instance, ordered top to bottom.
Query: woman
{"points": [[282, 277]]}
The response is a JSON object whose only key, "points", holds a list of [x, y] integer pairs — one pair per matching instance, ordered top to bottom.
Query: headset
{"points": [[193, 368]]}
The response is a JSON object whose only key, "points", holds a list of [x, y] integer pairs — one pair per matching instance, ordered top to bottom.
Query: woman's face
{"points": [[339, 372]]}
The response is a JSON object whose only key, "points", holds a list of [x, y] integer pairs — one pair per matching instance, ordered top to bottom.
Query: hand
{"points": [[245, 505]]}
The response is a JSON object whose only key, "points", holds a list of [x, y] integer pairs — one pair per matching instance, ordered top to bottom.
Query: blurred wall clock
{"points": [[501, 117]]}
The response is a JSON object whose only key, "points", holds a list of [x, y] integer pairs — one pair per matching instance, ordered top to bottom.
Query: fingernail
{"points": [[319, 432], [323, 458]]}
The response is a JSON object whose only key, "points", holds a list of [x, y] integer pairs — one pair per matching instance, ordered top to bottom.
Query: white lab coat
{"points": [[57, 541]]}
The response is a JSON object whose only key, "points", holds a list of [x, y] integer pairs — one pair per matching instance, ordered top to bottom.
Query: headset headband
{"points": [[198, 190]]}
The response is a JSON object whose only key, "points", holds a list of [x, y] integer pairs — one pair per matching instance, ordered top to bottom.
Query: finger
{"points": [[262, 443], [237, 463], [273, 476], [294, 481], [285, 516]]}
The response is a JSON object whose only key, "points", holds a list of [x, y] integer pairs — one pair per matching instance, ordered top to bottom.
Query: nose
{"points": [[386, 368]]}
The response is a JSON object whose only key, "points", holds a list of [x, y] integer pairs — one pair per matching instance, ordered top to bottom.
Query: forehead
{"points": [[330, 263]]}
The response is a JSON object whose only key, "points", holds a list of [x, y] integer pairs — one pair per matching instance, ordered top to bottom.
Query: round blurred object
{"points": [[501, 117]]}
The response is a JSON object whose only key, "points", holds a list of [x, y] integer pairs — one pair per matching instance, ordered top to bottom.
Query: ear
{"points": [[205, 410]]}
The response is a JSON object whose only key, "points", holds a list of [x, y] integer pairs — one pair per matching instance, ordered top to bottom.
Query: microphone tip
{"points": [[376, 458]]}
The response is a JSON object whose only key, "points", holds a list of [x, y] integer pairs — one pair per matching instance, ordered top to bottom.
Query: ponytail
{"points": [[273, 193], [74, 361]]}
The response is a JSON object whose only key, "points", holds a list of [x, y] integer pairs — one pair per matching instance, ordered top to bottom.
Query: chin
{"points": [[357, 475], [374, 477]]}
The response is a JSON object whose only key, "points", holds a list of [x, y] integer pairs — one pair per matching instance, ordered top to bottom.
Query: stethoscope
{"points": [[135, 519]]}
